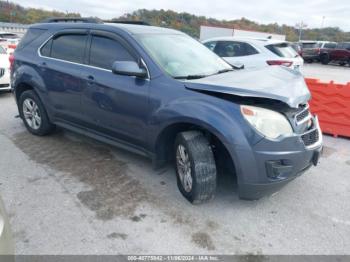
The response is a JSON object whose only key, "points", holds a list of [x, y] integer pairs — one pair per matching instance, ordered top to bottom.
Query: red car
{"points": [[340, 54]]}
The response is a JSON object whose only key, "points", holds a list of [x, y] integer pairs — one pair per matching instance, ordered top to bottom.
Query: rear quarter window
{"points": [[30, 36], [282, 50]]}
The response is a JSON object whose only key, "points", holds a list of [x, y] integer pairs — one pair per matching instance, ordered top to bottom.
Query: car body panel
{"points": [[275, 82]]}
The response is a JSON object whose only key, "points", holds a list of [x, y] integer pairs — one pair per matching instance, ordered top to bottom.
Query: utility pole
{"points": [[323, 18], [301, 26]]}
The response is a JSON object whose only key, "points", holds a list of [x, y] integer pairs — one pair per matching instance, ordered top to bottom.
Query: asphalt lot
{"points": [[326, 73], [67, 194]]}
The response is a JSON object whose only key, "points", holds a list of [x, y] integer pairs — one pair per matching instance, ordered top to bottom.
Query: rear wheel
{"points": [[325, 59], [33, 114], [195, 167]]}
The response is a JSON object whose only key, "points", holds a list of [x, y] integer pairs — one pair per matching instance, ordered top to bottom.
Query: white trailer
{"points": [[207, 32]]}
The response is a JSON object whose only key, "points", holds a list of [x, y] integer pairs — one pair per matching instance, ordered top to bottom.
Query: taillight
{"points": [[12, 46], [318, 50], [12, 61], [279, 62]]}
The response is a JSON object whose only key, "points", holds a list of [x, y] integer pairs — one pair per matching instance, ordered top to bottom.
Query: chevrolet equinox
{"points": [[160, 93]]}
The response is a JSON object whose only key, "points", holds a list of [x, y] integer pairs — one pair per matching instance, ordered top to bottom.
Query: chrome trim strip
{"points": [[90, 66]]}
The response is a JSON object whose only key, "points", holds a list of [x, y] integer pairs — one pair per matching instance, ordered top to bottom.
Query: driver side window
{"points": [[105, 51]]}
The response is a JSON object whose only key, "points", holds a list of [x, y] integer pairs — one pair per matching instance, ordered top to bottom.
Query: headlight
{"points": [[268, 122]]}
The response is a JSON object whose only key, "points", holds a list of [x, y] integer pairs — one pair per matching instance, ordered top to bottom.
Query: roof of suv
{"points": [[129, 28]]}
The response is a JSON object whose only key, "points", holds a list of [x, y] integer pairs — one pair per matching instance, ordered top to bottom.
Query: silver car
{"points": [[255, 52]]}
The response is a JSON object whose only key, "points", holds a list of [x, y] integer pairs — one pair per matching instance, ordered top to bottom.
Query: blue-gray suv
{"points": [[162, 94]]}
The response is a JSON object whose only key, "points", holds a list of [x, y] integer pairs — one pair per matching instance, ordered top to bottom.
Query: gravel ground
{"points": [[326, 73], [66, 194]]}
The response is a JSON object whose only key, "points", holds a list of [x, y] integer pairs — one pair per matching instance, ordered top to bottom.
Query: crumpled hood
{"points": [[274, 82]]}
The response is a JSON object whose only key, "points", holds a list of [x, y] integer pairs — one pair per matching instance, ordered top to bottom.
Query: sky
{"points": [[313, 13]]}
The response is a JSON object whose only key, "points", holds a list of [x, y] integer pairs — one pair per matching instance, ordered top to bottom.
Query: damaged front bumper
{"points": [[264, 168]]}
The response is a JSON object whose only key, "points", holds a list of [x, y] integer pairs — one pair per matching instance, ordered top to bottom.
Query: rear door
{"points": [[61, 62], [116, 105]]}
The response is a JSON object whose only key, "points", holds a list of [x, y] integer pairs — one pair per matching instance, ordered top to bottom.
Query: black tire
{"points": [[325, 59], [309, 61], [45, 127], [202, 167]]}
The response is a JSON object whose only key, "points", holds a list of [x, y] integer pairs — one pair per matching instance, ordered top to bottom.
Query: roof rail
{"points": [[71, 20], [132, 22]]}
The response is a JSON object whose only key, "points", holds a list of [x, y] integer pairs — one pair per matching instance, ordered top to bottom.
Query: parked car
{"points": [[9, 41], [313, 50], [255, 53], [340, 54], [4, 70], [162, 94], [6, 241]]}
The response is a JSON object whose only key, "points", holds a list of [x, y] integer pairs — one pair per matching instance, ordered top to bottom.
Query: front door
{"points": [[114, 104]]}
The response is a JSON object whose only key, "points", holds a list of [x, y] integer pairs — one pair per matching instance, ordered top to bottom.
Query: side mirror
{"points": [[128, 68]]}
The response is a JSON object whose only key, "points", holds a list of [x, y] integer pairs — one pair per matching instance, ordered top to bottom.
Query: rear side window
{"points": [[31, 34], [70, 47], [46, 49], [234, 49], [282, 50], [105, 51]]}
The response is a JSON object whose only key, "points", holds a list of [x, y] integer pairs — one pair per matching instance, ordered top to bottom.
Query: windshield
{"points": [[309, 45], [181, 56]]}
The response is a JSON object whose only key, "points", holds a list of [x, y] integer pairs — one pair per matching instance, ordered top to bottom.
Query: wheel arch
{"points": [[164, 144]]}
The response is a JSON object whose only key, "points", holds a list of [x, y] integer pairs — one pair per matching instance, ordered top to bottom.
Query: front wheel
{"points": [[195, 167]]}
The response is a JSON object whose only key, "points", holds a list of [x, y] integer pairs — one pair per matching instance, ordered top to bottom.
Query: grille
{"points": [[2, 72], [302, 115], [310, 137]]}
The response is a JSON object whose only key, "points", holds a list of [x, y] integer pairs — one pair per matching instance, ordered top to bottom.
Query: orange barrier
{"points": [[331, 102]]}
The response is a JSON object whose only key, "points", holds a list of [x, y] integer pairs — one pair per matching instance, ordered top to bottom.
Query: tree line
{"points": [[188, 23]]}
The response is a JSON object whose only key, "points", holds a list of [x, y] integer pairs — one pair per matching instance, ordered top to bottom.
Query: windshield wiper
{"points": [[224, 70], [202, 76], [190, 77]]}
